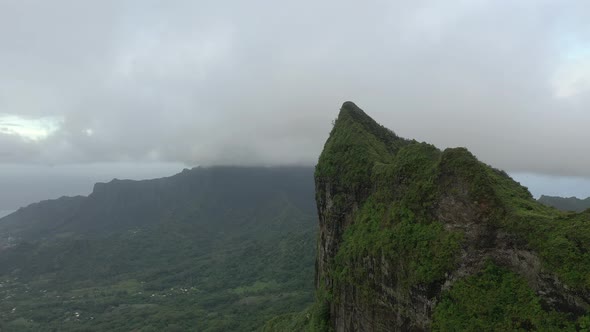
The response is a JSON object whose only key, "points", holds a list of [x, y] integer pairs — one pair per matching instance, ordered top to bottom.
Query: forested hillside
{"points": [[566, 203], [209, 249]]}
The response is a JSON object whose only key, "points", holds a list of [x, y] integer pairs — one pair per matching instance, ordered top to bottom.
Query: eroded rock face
{"points": [[458, 192]]}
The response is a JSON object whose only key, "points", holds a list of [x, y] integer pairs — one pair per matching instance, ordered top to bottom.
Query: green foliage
{"points": [[355, 144], [458, 164], [410, 179], [394, 190], [566, 204], [394, 223], [562, 239], [420, 252], [227, 261], [231, 285], [495, 300], [319, 313], [316, 318], [293, 322], [584, 323]]}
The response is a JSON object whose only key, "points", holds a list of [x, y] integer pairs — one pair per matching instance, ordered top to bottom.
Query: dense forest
{"points": [[209, 249]]}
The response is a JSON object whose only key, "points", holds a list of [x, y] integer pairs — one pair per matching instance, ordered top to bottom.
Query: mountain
{"points": [[124, 204], [566, 204], [4, 213], [413, 238], [208, 249]]}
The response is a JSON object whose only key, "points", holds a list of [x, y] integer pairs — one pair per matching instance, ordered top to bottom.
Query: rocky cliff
{"points": [[415, 238]]}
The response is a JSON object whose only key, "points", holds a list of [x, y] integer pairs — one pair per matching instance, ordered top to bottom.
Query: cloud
{"points": [[573, 77], [259, 82], [29, 129], [23, 184]]}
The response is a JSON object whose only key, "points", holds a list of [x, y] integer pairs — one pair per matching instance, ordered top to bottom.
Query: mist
{"points": [[259, 83]]}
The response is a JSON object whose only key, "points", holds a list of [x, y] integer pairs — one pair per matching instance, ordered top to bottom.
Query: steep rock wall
{"points": [[401, 222]]}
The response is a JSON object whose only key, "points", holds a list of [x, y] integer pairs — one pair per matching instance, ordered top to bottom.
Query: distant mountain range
{"points": [[566, 203], [124, 204], [208, 249]]}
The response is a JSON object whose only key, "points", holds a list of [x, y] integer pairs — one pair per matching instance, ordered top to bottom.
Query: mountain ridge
{"points": [[566, 203], [119, 204], [415, 238], [229, 248]]}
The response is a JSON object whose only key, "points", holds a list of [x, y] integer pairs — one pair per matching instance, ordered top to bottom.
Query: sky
{"points": [[108, 87]]}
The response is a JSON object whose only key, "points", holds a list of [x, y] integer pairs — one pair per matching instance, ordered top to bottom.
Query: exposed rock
{"points": [[372, 287]]}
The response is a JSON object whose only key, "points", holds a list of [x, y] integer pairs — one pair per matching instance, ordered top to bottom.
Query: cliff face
{"points": [[414, 238]]}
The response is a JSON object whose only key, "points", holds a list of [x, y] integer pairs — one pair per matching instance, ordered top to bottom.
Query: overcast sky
{"points": [[107, 84]]}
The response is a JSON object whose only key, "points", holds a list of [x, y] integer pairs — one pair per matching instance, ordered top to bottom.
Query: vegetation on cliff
{"points": [[402, 221], [495, 299]]}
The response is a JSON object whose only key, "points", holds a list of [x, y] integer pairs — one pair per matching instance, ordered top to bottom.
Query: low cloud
{"points": [[225, 82]]}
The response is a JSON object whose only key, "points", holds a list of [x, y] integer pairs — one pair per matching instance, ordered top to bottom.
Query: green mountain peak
{"points": [[415, 238]]}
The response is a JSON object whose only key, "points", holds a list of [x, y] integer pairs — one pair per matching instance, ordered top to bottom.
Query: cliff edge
{"points": [[412, 238]]}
